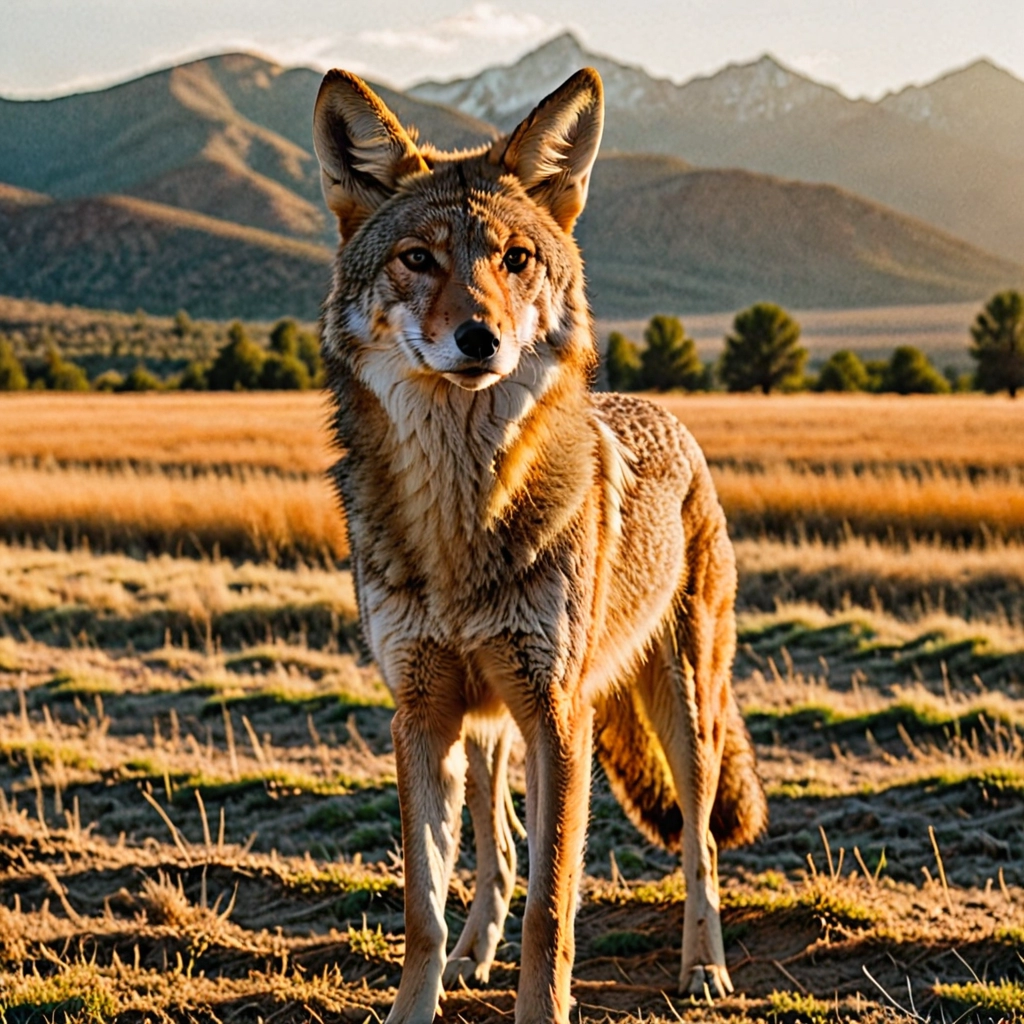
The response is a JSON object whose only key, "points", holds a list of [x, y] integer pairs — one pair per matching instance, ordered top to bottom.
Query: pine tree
{"points": [[284, 338], [998, 347], [764, 350], [670, 359], [622, 362], [238, 364], [844, 371], [910, 372], [12, 373]]}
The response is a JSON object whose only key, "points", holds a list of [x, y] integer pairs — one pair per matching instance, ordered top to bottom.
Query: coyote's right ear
{"points": [[363, 151]]}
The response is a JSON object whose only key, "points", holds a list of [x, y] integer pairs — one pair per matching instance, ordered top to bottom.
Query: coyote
{"points": [[526, 553]]}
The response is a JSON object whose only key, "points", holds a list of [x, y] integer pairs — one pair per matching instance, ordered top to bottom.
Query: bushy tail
{"points": [[631, 755], [638, 772], [740, 813]]}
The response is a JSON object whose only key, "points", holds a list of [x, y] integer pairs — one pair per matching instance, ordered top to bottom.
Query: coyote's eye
{"points": [[418, 259], [516, 259]]}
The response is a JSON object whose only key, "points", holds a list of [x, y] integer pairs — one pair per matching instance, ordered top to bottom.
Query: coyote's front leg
{"points": [[558, 751], [431, 765], [487, 795]]}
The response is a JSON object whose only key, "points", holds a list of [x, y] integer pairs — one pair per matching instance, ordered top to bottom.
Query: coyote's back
{"points": [[524, 551]]}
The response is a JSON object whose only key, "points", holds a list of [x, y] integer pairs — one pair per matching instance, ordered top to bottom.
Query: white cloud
{"points": [[483, 21], [488, 21], [422, 42]]}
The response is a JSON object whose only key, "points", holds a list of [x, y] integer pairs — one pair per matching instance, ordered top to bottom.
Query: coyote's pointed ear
{"points": [[553, 150], [363, 151]]}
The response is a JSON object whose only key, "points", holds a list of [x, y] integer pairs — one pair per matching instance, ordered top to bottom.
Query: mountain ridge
{"points": [[966, 178], [196, 187]]}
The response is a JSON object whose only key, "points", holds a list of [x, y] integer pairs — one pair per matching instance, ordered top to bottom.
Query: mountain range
{"points": [[951, 153], [196, 187]]}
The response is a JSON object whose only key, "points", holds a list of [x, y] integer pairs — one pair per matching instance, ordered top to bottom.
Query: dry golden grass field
{"points": [[243, 474], [198, 819]]}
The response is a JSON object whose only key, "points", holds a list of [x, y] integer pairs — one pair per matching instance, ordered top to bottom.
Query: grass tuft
{"points": [[78, 994], [1002, 997], [792, 1006]]}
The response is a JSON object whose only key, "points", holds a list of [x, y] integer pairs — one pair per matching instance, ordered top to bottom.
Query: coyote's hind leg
{"points": [[683, 705], [487, 795]]}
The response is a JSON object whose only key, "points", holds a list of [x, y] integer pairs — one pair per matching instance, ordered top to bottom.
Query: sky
{"points": [[863, 47]]}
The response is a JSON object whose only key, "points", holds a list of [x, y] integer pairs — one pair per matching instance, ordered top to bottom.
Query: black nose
{"points": [[476, 340]]}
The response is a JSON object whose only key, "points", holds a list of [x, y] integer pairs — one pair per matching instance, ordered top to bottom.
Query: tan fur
{"points": [[524, 550]]}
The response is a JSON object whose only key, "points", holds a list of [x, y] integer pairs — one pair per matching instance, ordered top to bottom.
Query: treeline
{"points": [[763, 353], [291, 361]]}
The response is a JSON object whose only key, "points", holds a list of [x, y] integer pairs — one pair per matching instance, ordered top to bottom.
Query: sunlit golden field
{"points": [[288, 431], [244, 473], [198, 814]]}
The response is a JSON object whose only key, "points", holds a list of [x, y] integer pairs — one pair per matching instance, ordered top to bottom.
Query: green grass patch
{"points": [[851, 636], [282, 695], [915, 717], [16, 752], [1002, 779], [278, 780], [802, 789], [332, 816], [339, 878], [670, 889], [818, 901], [1011, 935], [369, 944], [79, 994], [1003, 997], [792, 1006]]}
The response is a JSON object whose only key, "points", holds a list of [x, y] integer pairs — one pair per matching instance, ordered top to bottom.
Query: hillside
{"points": [[229, 136], [950, 153], [195, 188], [659, 234], [124, 253]]}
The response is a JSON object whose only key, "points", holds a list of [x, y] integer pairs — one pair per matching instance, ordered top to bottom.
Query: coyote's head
{"points": [[457, 268]]}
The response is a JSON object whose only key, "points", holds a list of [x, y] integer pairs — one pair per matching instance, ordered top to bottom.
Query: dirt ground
{"points": [[208, 831]]}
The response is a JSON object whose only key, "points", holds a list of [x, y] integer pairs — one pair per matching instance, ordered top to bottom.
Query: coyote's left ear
{"points": [[553, 150], [363, 151]]}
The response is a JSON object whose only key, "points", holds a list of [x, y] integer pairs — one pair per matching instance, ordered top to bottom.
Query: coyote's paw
{"points": [[467, 970], [707, 981]]}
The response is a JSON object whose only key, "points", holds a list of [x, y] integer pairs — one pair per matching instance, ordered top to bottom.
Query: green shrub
{"points": [[183, 327], [284, 338], [309, 353], [622, 362], [239, 363], [843, 371], [909, 372], [12, 373], [284, 373], [63, 375], [194, 377], [140, 379], [109, 380]]}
